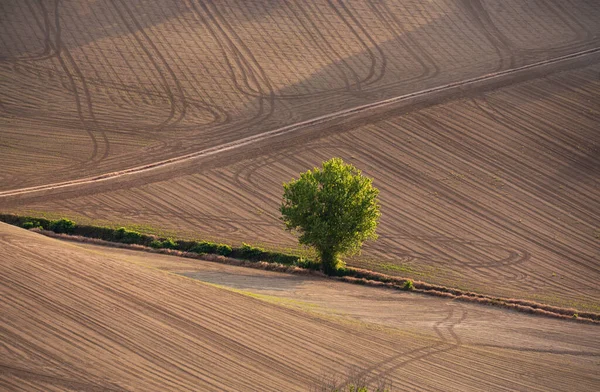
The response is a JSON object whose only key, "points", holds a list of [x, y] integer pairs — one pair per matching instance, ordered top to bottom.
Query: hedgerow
{"points": [[63, 226], [126, 236], [167, 243], [250, 252], [282, 261]]}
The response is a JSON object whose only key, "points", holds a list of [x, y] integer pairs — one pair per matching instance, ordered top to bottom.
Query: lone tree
{"points": [[334, 209]]}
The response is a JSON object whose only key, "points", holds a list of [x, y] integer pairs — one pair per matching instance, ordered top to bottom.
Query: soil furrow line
{"points": [[226, 147]]}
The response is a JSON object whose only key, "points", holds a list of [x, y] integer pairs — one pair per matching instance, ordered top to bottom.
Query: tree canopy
{"points": [[334, 209]]}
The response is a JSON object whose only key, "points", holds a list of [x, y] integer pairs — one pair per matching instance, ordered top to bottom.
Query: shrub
{"points": [[22, 220], [30, 224], [63, 225], [104, 233], [127, 236], [156, 244], [165, 244], [169, 244], [186, 246], [205, 247], [211, 248], [224, 250], [250, 252], [282, 258], [308, 264], [339, 271], [408, 285]]}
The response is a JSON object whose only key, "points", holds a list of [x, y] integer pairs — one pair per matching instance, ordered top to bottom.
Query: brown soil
{"points": [[125, 83], [496, 192], [102, 319]]}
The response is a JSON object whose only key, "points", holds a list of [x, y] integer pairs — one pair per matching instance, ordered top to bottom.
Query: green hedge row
{"points": [[125, 236]]}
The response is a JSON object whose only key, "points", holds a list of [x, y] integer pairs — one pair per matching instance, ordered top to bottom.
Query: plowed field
{"points": [[128, 83], [492, 185], [498, 193], [96, 320]]}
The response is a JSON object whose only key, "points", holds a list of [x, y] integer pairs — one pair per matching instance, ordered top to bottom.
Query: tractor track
{"points": [[427, 95]]}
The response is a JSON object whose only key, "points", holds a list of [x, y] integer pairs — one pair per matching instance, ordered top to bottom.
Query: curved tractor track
{"points": [[499, 78], [128, 84], [116, 111], [495, 193], [121, 323]]}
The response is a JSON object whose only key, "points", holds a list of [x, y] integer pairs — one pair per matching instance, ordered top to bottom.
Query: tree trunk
{"points": [[330, 261]]}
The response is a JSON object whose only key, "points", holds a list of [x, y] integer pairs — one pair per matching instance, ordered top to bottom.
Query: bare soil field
{"points": [[127, 83], [495, 189], [497, 193], [91, 318]]}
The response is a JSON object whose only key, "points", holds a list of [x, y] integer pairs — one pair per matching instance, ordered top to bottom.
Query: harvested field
{"points": [[128, 83], [497, 193], [96, 319]]}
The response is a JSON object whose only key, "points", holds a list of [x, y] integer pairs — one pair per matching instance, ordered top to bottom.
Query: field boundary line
{"points": [[460, 85]]}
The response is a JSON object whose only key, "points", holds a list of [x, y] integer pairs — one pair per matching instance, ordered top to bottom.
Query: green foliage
{"points": [[334, 209], [26, 222], [30, 224], [63, 225], [114, 235], [124, 235], [127, 236], [156, 244], [166, 244], [169, 244], [186, 246], [204, 247], [211, 247], [224, 250], [250, 252], [254, 253], [282, 258], [307, 263], [408, 285]]}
